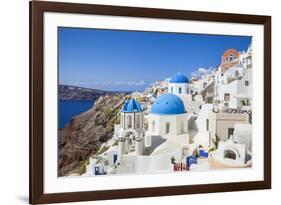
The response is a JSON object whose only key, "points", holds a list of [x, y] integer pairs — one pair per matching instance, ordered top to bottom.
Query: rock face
{"points": [[67, 92], [86, 132]]}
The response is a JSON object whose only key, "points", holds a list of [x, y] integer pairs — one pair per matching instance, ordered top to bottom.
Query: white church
{"points": [[151, 150]]}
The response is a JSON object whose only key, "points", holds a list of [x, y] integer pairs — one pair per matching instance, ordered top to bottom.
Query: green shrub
{"points": [[216, 141], [102, 149], [83, 166]]}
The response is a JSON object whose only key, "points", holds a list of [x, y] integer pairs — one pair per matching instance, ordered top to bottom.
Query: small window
{"points": [[246, 83], [204, 85], [172, 90], [179, 90], [226, 97], [129, 119], [207, 124], [167, 127], [230, 132]]}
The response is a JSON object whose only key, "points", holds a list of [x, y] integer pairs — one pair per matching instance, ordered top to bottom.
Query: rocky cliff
{"points": [[67, 92], [86, 132]]}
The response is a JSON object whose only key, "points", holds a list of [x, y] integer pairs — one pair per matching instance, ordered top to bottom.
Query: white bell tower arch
{"points": [[132, 129]]}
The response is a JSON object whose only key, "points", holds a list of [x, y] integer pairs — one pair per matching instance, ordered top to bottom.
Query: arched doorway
{"points": [[130, 137], [229, 154]]}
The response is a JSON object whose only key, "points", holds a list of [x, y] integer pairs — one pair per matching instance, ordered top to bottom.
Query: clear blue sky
{"points": [[129, 61]]}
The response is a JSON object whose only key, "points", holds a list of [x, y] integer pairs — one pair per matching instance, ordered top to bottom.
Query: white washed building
{"points": [[233, 86], [165, 138]]}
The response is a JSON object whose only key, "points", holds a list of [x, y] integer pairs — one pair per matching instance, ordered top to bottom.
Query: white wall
{"points": [[175, 87], [14, 101], [177, 122]]}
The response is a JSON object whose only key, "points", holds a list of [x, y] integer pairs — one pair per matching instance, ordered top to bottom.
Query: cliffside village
{"points": [[184, 125]]}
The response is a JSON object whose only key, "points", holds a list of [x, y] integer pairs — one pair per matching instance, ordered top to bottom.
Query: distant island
{"points": [[76, 93]]}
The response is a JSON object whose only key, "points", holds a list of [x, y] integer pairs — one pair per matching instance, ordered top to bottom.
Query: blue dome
{"points": [[179, 78], [168, 104], [132, 106]]}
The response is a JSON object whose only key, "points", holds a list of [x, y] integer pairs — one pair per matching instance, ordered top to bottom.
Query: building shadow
{"points": [[192, 128], [155, 142]]}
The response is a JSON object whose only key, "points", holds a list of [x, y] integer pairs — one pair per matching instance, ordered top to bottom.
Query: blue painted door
{"points": [[114, 158], [97, 170]]}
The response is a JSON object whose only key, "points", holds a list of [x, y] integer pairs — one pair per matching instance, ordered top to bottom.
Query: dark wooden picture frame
{"points": [[37, 9]]}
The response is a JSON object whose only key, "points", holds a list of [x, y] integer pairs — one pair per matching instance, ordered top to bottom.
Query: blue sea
{"points": [[69, 109]]}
